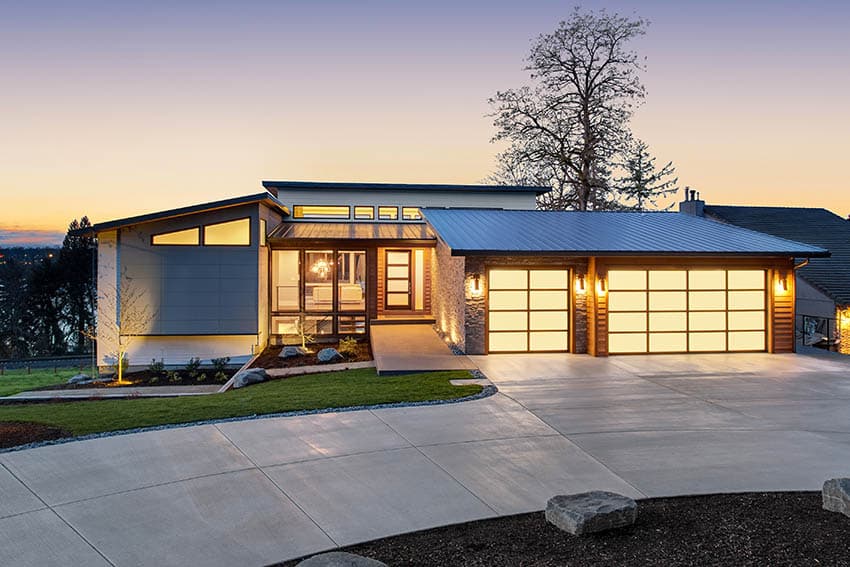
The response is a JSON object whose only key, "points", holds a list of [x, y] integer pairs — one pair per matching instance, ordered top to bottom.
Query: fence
{"points": [[64, 361]]}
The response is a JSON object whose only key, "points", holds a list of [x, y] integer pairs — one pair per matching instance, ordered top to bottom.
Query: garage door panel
{"points": [[549, 279], [626, 279], [668, 279], [706, 279], [746, 279], [508, 300], [549, 300], [707, 300], [743, 300], [627, 301], [668, 301], [508, 320], [549, 320], [746, 320], [668, 321], [707, 321], [627, 322], [746, 340], [550, 341], [508, 342], [668, 342], [707, 342], [627, 343]]}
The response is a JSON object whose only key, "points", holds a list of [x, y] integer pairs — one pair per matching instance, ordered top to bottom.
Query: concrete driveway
{"points": [[257, 492]]}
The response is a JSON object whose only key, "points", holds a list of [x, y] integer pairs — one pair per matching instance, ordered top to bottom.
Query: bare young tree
{"points": [[568, 128], [642, 184], [123, 314]]}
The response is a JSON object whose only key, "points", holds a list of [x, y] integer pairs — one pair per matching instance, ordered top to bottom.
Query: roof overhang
{"points": [[415, 187], [303, 232]]}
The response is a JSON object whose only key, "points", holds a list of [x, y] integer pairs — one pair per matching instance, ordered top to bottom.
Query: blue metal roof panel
{"points": [[481, 231]]}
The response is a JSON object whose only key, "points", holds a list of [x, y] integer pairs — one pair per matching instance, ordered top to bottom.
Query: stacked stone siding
{"points": [[448, 294]]}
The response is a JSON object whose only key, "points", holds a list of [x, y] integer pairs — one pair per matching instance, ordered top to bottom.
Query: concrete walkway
{"points": [[412, 348], [257, 492]]}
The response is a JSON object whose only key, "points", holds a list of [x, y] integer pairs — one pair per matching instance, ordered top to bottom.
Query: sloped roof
{"points": [[404, 187], [264, 197], [818, 227], [351, 231], [488, 231]]}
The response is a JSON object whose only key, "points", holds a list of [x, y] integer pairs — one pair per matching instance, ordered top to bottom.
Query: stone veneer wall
{"points": [[448, 294], [475, 307]]}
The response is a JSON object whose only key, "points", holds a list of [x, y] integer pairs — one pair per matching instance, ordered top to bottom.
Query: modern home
{"points": [[491, 273], [823, 284]]}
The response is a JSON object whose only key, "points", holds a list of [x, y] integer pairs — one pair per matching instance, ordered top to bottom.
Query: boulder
{"points": [[292, 351], [329, 355], [250, 376], [79, 378], [836, 495], [590, 512], [340, 559]]}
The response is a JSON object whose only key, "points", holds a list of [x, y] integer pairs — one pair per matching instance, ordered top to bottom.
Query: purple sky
{"points": [[117, 108]]}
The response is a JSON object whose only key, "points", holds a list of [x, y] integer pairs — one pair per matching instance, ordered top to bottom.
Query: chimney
{"points": [[692, 205]]}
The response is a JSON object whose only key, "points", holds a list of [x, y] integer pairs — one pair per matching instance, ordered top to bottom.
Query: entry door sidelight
{"points": [[398, 287]]}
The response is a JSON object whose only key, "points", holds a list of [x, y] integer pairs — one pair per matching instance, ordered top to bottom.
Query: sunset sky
{"points": [[114, 108]]}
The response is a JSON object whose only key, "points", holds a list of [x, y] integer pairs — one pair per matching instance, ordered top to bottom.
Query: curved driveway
{"points": [[257, 492]]}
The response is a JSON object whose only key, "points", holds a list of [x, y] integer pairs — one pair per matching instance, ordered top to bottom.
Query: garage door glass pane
{"points": [[398, 271], [508, 279], [549, 279], [626, 279], [667, 279], [707, 279], [746, 279], [508, 300], [549, 300], [668, 300], [707, 300], [740, 300], [627, 301], [549, 320], [746, 320], [508, 321], [668, 321], [707, 321], [619, 322], [743, 340], [548, 341], [707, 341], [508, 342], [668, 342], [626, 343]]}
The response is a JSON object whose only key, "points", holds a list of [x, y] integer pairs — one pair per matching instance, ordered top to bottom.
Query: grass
{"points": [[15, 381], [315, 391]]}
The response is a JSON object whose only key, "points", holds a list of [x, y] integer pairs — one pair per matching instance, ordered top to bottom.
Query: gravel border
{"points": [[485, 392]]}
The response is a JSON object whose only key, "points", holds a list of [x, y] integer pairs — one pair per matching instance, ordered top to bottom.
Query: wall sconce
{"points": [[580, 284], [782, 284], [476, 285], [600, 285]]}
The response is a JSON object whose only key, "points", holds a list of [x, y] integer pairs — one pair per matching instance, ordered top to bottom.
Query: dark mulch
{"points": [[271, 359], [145, 378], [14, 433], [764, 529]]}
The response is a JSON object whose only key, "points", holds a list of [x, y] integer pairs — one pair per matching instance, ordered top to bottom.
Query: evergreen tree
{"points": [[642, 184]]}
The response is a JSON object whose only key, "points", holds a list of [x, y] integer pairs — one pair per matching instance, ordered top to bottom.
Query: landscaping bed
{"points": [[270, 358], [146, 378], [345, 388], [14, 433], [754, 529]]}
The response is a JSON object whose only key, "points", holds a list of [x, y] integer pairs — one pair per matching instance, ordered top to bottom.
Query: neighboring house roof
{"points": [[404, 187], [265, 197], [818, 227], [351, 231], [483, 231]]}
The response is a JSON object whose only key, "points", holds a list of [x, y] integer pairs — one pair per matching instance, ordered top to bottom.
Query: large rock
{"points": [[292, 351], [329, 355], [249, 376], [79, 378], [836, 495], [590, 512], [340, 559]]}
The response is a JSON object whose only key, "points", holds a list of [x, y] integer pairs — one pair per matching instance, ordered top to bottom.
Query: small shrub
{"points": [[348, 347], [220, 364], [156, 367], [192, 367], [174, 377], [202, 377], [221, 377], [153, 380]]}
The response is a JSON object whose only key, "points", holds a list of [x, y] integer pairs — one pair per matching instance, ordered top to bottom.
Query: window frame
{"points": [[393, 207], [296, 209], [371, 212], [417, 217], [197, 228], [250, 235]]}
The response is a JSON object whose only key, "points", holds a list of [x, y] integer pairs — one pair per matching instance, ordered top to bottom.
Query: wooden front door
{"points": [[397, 287]]}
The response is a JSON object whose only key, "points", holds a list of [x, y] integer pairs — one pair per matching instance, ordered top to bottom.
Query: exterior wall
{"points": [[478, 199], [272, 219], [448, 292], [813, 302], [107, 304], [475, 309], [176, 351]]}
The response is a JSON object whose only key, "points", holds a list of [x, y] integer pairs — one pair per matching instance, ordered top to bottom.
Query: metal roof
{"points": [[404, 187], [264, 197], [818, 227], [351, 231], [483, 231]]}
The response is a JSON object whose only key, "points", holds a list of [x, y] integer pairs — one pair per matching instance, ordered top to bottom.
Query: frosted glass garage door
{"points": [[528, 310], [674, 311]]}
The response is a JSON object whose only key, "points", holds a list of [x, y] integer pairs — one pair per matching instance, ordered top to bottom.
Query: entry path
{"points": [[257, 492]]}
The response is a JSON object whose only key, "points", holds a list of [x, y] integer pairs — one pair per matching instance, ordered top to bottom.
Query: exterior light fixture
{"points": [[782, 284], [476, 285], [580, 285], [600, 285]]}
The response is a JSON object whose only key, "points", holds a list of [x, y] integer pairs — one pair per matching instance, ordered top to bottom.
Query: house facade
{"points": [[492, 274]]}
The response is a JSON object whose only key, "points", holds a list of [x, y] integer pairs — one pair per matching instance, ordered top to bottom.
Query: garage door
{"points": [[528, 310], [686, 311]]}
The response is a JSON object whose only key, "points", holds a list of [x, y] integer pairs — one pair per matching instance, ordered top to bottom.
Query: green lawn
{"points": [[14, 381], [315, 391]]}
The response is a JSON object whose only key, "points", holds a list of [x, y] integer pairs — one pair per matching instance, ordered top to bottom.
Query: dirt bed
{"points": [[271, 356], [14, 433], [755, 529]]}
